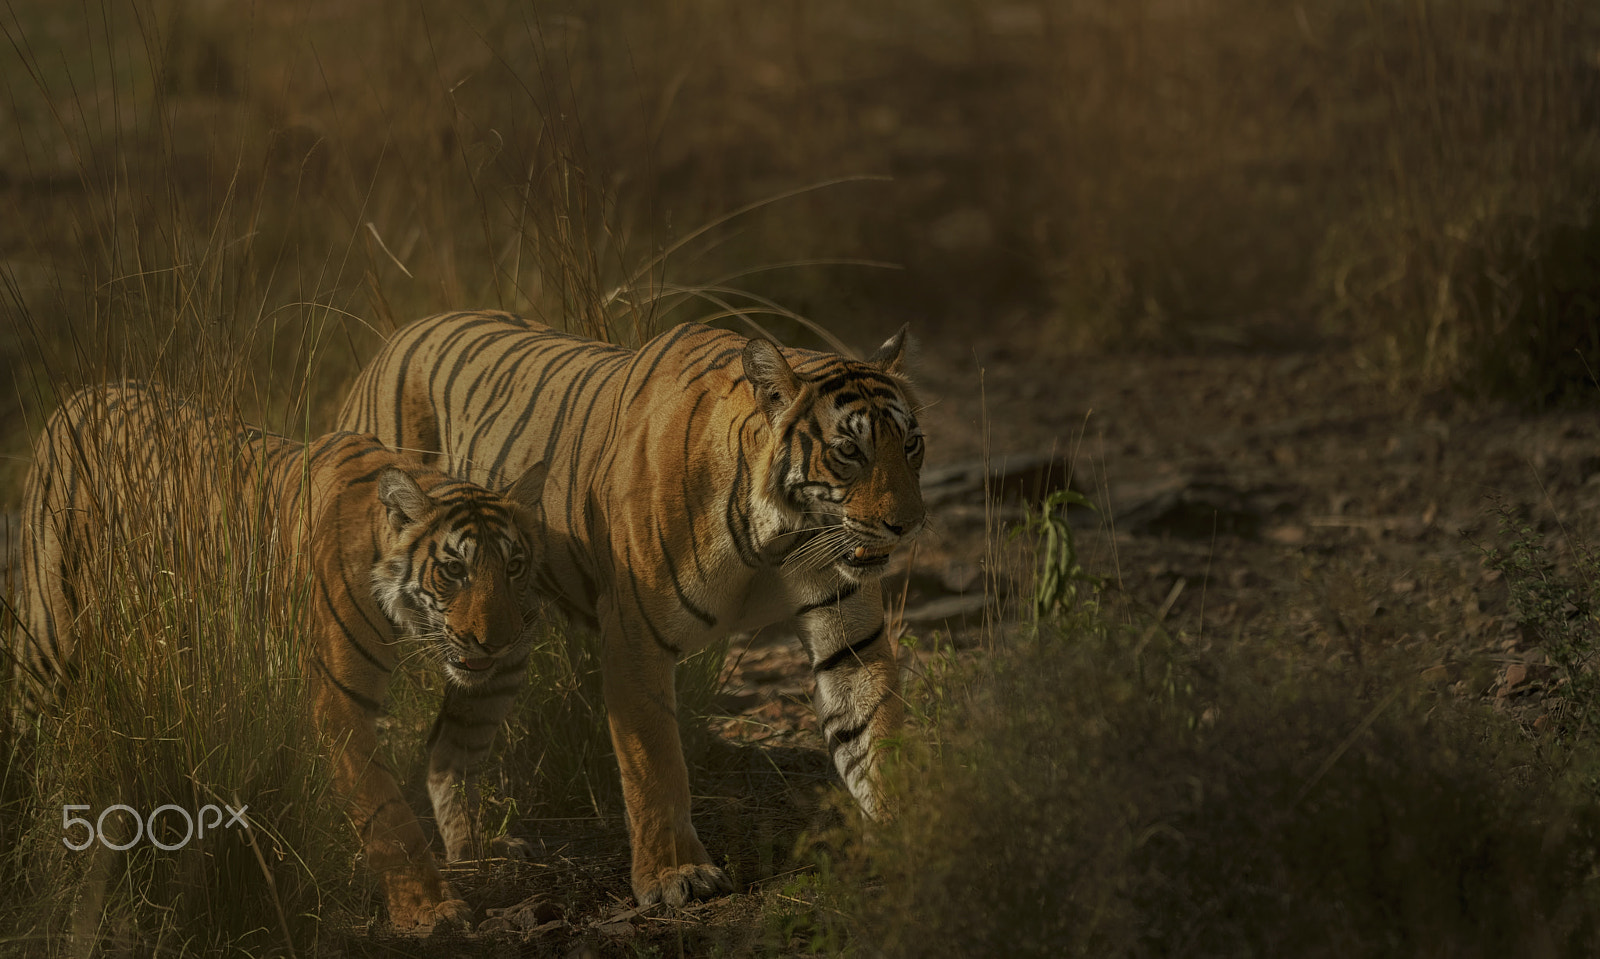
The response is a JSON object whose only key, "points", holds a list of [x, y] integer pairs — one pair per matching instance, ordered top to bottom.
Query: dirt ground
{"points": [[1241, 493]]}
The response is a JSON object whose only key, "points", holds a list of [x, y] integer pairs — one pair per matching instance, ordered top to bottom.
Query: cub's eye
{"points": [[913, 443], [847, 449], [515, 567], [455, 569]]}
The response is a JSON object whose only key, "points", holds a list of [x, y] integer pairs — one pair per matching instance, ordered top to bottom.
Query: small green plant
{"points": [[1060, 576], [1557, 612], [807, 918]]}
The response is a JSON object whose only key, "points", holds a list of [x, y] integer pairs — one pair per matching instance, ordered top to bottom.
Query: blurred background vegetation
{"points": [[1417, 176], [248, 196]]}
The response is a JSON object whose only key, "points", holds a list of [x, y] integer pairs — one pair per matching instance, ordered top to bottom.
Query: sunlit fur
{"points": [[700, 485], [395, 557]]}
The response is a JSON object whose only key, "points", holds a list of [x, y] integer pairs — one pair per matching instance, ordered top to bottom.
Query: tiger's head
{"points": [[847, 455], [456, 568]]}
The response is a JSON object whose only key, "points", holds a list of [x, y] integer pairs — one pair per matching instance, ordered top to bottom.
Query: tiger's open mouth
{"points": [[864, 557], [473, 665]]}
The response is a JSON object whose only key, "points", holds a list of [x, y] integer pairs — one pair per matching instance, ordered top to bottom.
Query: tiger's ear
{"points": [[891, 356], [771, 377], [529, 487], [403, 497]]}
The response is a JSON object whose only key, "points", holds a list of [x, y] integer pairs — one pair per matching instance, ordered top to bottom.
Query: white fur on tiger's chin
{"points": [[459, 668], [468, 672]]}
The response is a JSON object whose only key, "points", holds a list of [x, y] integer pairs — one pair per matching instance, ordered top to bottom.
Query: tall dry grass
{"points": [[1078, 173], [205, 219], [1471, 260], [187, 686], [186, 691]]}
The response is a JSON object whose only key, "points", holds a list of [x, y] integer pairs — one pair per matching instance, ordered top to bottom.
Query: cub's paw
{"points": [[677, 885], [452, 913], [421, 916]]}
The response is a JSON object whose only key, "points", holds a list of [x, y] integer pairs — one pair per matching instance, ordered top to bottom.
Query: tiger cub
{"points": [[701, 485], [393, 553]]}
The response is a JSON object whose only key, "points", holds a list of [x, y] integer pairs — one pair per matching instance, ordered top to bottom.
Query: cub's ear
{"points": [[891, 356], [771, 377], [529, 487], [404, 498]]}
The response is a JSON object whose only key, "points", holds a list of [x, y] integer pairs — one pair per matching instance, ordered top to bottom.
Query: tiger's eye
{"points": [[846, 449], [514, 567], [455, 569]]}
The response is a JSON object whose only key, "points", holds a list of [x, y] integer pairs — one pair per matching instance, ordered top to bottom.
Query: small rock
{"points": [[1286, 535], [946, 608], [1515, 674], [529, 913]]}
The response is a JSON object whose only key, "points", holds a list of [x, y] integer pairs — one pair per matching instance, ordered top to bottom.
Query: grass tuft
{"points": [[1114, 791]]}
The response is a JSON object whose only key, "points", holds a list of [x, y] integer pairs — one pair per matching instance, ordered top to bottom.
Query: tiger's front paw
{"points": [[676, 885], [414, 908], [451, 913]]}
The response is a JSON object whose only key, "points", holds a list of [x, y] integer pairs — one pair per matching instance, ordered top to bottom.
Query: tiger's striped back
{"points": [[702, 484], [392, 554]]}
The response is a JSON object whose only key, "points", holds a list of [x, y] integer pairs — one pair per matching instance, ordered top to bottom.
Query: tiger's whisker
{"points": [[824, 540]]}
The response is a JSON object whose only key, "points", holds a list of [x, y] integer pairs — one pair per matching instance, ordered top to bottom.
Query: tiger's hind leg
{"points": [[44, 642], [462, 736]]}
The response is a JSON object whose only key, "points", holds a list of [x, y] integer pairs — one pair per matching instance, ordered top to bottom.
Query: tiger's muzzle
{"points": [[869, 550], [468, 661]]}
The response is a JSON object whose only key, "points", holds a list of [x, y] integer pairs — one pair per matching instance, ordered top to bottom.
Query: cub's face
{"points": [[848, 454], [457, 573]]}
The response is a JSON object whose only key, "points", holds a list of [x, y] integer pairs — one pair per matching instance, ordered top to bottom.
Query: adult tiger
{"points": [[702, 484], [392, 552]]}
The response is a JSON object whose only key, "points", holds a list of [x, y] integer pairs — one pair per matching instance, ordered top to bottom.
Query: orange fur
{"points": [[701, 485], [363, 526]]}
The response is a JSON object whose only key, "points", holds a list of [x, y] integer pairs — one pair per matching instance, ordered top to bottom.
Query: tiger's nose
{"points": [[903, 523], [904, 527], [471, 641]]}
